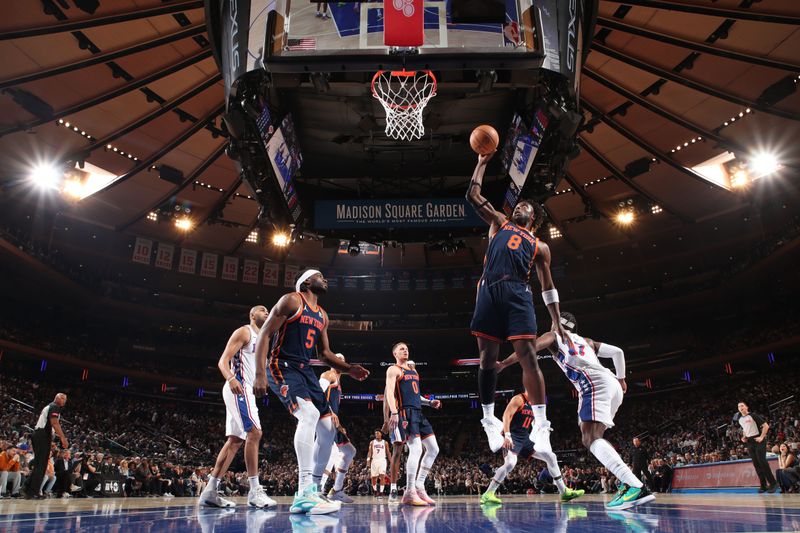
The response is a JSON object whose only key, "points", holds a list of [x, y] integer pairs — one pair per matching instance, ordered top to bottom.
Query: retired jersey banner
{"points": [[408, 213], [142, 249], [165, 256], [188, 264], [208, 268], [230, 268], [250, 273], [270, 274], [290, 275]]}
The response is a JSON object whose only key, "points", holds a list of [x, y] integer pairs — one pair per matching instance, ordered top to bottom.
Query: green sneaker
{"points": [[570, 494], [634, 497], [490, 498], [615, 500], [311, 502]]}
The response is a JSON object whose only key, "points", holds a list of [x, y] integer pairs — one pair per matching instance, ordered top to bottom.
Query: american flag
{"points": [[306, 43]]}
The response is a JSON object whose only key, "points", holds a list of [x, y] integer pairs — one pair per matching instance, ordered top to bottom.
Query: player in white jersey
{"points": [[238, 366], [599, 396], [376, 460]]}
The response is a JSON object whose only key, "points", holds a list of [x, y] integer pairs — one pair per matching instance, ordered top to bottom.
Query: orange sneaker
{"points": [[424, 497], [412, 498]]}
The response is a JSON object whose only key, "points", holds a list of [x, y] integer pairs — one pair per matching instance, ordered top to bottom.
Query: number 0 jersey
{"points": [[510, 254], [297, 340], [407, 389]]}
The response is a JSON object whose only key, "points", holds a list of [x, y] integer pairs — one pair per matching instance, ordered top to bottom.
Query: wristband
{"points": [[474, 183], [550, 297], [230, 379], [392, 414]]}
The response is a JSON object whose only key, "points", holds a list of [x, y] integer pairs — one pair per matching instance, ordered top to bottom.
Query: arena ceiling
{"points": [[667, 86]]}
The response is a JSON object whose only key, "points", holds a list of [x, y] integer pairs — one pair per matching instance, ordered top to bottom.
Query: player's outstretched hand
{"points": [[484, 159], [561, 331], [358, 372], [260, 385], [436, 404]]}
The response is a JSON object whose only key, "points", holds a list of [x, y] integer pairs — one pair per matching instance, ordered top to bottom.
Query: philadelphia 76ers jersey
{"points": [[510, 254], [297, 340], [243, 364], [576, 365]]}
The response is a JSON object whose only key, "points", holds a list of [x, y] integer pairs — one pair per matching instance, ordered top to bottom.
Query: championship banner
{"points": [[406, 213], [142, 250], [165, 256], [188, 264], [208, 268], [230, 268], [250, 273], [270, 274], [290, 275], [350, 281], [404, 281], [421, 281], [369, 282], [386, 282], [438, 282], [726, 474]]}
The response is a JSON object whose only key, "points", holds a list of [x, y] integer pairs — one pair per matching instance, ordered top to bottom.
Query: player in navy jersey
{"points": [[504, 304], [296, 331], [408, 424], [517, 425], [343, 451]]}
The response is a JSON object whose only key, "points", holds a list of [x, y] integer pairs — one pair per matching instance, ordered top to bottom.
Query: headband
{"points": [[302, 279], [566, 323]]}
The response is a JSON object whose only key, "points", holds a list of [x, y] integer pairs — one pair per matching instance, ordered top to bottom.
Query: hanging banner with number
{"points": [[142, 250], [165, 255], [188, 264], [208, 268], [230, 268], [250, 272], [271, 274], [290, 274]]}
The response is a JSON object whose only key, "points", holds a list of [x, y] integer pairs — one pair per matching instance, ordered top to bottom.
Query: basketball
{"points": [[484, 139]]}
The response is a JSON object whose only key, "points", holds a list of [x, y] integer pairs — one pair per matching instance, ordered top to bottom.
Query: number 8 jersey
{"points": [[510, 254], [296, 341]]}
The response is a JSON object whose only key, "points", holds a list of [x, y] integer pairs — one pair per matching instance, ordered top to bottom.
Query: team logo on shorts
{"points": [[284, 390], [405, 424]]}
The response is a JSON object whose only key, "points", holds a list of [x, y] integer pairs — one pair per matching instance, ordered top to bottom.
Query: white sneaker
{"points": [[493, 428], [540, 436], [169, 495], [211, 498], [258, 498]]}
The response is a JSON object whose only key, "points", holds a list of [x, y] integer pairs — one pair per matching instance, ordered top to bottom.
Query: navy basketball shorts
{"points": [[504, 311], [289, 380], [412, 423], [341, 439], [523, 447]]}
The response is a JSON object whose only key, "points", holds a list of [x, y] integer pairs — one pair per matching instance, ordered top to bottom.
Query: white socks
{"points": [[488, 410], [540, 414], [307, 417], [414, 453], [609, 457], [552, 466], [253, 482], [213, 484], [338, 484], [393, 487]]}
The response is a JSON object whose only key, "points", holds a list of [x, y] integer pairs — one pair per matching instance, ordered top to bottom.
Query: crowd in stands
{"points": [[163, 446]]}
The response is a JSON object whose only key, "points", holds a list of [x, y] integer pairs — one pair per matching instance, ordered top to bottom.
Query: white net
{"points": [[404, 95]]}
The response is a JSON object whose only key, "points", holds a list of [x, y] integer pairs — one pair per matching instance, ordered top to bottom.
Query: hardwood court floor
{"points": [[668, 513]]}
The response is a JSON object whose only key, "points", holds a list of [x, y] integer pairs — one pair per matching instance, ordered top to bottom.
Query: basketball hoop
{"points": [[403, 95]]}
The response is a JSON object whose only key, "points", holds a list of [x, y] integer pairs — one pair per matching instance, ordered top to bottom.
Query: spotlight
{"points": [[763, 164], [45, 176], [739, 179], [74, 189], [655, 209], [152, 216], [626, 217], [184, 224], [555, 233], [253, 236], [280, 239], [354, 248]]}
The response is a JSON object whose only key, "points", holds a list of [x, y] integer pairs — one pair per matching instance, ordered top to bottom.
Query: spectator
{"points": [[786, 463], [10, 471], [63, 472]]}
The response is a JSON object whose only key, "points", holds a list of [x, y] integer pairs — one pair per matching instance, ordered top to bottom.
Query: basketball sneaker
{"points": [[494, 432], [540, 436], [570, 494], [339, 496], [424, 496], [393, 497], [210, 498], [258, 498], [412, 498], [490, 498], [631, 498], [311, 502]]}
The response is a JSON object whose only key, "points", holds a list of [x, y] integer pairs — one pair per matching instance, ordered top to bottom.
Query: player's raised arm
{"points": [[475, 197], [549, 292], [286, 307], [239, 338], [543, 342], [324, 351], [616, 355], [391, 402]]}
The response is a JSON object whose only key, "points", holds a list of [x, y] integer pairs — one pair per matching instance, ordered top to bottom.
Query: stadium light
{"points": [[763, 164], [45, 176], [740, 179], [74, 189], [625, 217], [184, 223], [252, 236], [280, 239]]}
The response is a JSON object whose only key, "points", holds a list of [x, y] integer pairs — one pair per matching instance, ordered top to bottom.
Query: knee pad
{"points": [[306, 412], [431, 446], [511, 460]]}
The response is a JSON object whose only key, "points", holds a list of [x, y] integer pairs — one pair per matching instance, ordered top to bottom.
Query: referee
{"points": [[46, 426], [754, 434]]}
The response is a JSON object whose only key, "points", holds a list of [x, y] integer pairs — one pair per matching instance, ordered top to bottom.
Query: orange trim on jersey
{"points": [[535, 248], [308, 304], [297, 313], [485, 336], [519, 337], [325, 415], [426, 436]]}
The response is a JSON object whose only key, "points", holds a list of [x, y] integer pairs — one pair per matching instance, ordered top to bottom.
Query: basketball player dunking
{"points": [[504, 305], [297, 330], [600, 395], [406, 418], [517, 424], [242, 425], [343, 451], [376, 462]]}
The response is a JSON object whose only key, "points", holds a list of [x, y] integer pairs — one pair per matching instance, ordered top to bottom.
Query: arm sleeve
{"points": [[616, 355], [424, 400]]}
